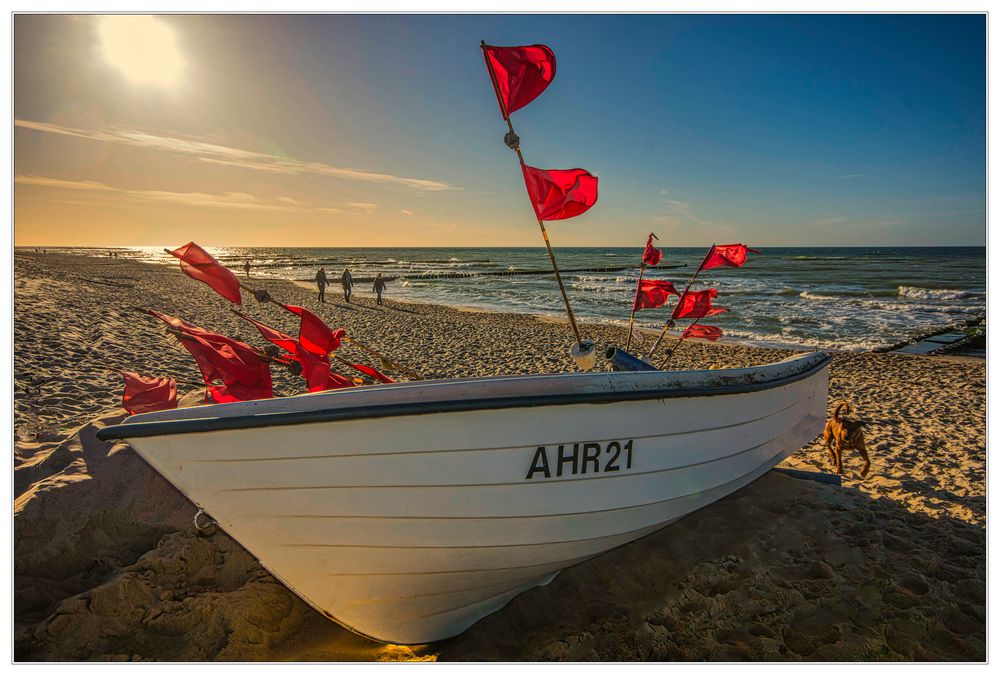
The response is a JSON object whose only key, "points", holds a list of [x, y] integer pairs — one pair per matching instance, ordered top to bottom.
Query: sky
{"points": [[383, 130]]}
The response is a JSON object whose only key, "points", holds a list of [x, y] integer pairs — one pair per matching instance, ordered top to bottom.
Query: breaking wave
{"points": [[934, 294], [809, 295]]}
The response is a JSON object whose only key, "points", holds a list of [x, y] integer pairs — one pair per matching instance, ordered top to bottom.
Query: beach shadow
{"points": [[386, 305], [401, 309], [784, 569]]}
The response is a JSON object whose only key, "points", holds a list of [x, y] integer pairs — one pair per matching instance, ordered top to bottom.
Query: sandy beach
{"points": [[108, 567]]}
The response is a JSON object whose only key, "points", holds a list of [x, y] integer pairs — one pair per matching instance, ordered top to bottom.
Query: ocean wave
{"points": [[600, 279], [596, 286], [934, 294], [809, 295], [787, 340]]}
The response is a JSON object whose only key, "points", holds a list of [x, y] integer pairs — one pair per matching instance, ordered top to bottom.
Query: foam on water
{"points": [[934, 294]]}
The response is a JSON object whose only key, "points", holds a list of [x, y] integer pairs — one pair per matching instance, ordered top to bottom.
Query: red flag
{"points": [[520, 74], [559, 193], [651, 255], [730, 255], [199, 264], [654, 293], [695, 304], [702, 331], [314, 334], [282, 340], [315, 368], [369, 371], [317, 373], [244, 374], [335, 381], [143, 395]]}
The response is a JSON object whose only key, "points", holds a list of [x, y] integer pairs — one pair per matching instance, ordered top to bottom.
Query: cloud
{"points": [[234, 157], [60, 183], [228, 200], [364, 206], [406, 212], [680, 212]]}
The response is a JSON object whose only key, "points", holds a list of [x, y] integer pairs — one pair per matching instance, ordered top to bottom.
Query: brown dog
{"points": [[845, 435]]}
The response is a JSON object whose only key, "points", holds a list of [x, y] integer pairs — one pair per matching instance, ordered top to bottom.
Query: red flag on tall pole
{"points": [[531, 69], [521, 74], [557, 194], [651, 255], [730, 255], [199, 264], [653, 293], [694, 304], [702, 331], [314, 334], [143, 395]]}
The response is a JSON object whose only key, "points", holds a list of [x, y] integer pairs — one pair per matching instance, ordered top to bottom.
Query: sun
{"points": [[144, 48]]}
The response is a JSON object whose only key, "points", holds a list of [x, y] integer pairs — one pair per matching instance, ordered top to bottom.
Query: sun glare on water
{"points": [[144, 48]]}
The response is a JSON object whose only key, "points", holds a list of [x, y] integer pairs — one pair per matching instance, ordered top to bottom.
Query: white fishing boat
{"points": [[407, 512]]}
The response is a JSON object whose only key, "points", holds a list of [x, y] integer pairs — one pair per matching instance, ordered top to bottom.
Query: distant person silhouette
{"points": [[246, 268], [321, 282], [348, 282], [379, 286]]}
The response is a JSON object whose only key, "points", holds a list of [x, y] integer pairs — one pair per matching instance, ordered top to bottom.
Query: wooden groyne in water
{"points": [[465, 274], [952, 336]]}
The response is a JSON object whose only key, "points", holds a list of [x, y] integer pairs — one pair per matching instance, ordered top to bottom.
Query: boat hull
{"points": [[410, 528]]}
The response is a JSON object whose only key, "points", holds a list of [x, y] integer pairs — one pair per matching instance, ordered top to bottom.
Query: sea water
{"points": [[852, 298]]}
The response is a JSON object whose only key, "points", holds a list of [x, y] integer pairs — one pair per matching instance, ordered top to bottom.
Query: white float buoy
{"points": [[584, 354]]}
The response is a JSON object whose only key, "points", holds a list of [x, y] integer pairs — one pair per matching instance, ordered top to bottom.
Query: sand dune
{"points": [[108, 567]]}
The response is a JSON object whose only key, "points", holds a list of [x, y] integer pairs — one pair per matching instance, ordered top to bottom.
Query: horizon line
{"points": [[639, 246]]}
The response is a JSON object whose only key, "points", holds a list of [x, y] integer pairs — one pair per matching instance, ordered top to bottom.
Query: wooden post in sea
{"points": [[514, 143]]}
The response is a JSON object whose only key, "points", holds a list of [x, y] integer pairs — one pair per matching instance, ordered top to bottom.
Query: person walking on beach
{"points": [[246, 268], [321, 282], [348, 283], [379, 287]]}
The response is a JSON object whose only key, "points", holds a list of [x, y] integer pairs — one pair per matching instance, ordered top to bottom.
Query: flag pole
{"points": [[513, 141], [635, 301], [670, 322], [670, 352], [383, 359]]}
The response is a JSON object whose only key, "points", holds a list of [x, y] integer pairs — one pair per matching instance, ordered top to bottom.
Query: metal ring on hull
{"points": [[205, 528]]}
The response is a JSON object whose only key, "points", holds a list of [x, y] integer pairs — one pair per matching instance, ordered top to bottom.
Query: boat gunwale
{"points": [[400, 409]]}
